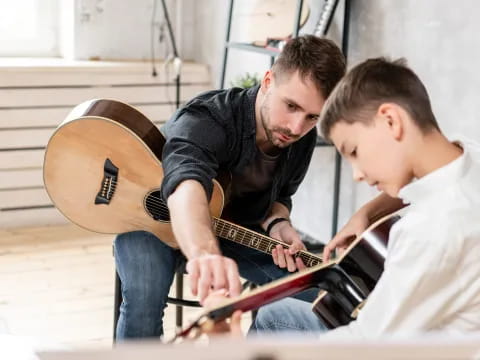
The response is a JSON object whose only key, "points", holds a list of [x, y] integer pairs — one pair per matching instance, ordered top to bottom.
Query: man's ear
{"points": [[266, 81], [391, 115]]}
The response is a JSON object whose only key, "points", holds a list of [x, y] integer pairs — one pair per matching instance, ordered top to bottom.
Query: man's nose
{"points": [[296, 125]]}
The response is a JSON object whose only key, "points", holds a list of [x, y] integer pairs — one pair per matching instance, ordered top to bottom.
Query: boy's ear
{"points": [[391, 116]]}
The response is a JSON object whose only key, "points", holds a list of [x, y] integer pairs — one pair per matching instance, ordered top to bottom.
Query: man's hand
{"points": [[357, 224], [284, 258], [213, 272]]}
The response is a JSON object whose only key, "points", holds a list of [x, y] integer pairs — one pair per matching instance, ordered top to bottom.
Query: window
{"points": [[29, 28]]}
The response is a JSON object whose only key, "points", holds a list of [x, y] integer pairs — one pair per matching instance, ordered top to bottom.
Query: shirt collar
{"points": [[250, 113], [438, 180]]}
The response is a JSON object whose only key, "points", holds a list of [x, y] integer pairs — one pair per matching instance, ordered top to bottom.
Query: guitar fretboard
{"points": [[254, 240]]}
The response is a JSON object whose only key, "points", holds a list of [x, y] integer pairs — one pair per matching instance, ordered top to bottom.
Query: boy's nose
{"points": [[357, 174]]}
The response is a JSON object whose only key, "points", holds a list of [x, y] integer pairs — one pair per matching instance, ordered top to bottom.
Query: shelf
{"points": [[250, 47]]}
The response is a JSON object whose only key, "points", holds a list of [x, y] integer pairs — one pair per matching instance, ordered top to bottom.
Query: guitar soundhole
{"points": [[156, 207]]}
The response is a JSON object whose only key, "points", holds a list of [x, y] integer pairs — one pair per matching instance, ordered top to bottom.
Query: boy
{"points": [[379, 117]]}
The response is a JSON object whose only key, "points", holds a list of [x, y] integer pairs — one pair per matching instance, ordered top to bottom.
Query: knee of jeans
{"points": [[144, 294], [265, 318]]}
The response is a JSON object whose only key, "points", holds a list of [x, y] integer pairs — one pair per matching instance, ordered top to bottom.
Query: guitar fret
{"points": [[238, 233], [243, 237], [246, 238], [249, 239], [255, 241], [263, 245], [269, 246], [309, 260]]}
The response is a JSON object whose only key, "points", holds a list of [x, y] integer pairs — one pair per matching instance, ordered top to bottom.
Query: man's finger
{"points": [[296, 246], [326, 252], [275, 256], [281, 257], [290, 261], [300, 264], [193, 273], [219, 280], [204, 281], [234, 285], [235, 324]]}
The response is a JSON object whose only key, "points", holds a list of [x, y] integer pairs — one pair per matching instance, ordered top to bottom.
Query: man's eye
{"points": [[291, 106], [313, 117], [353, 153]]}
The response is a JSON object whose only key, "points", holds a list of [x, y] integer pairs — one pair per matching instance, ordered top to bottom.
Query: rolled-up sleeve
{"points": [[195, 146]]}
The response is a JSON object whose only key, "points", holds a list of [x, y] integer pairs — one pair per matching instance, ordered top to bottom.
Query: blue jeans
{"points": [[146, 267], [287, 315]]}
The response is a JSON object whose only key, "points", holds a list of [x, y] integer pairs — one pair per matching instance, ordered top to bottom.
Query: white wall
{"points": [[109, 29]]}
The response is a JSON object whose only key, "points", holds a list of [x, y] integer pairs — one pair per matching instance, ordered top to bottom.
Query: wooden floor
{"points": [[57, 285]]}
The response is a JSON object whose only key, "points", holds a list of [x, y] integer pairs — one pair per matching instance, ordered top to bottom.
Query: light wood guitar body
{"points": [[74, 170]]}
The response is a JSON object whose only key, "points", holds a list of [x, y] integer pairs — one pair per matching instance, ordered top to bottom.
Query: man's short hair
{"points": [[317, 59], [374, 82]]}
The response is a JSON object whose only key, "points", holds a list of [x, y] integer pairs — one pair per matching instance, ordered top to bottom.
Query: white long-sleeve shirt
{"points": [[431, 279]]}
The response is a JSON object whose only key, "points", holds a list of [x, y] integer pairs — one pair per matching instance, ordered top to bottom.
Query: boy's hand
{"points": [[357, 224], [284, 258], [209, 272], [230, 326]]}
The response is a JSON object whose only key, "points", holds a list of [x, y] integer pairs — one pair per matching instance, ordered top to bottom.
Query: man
{"points": [[264, 137]]}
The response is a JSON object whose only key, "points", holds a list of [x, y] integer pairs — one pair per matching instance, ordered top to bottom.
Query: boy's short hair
{"points": [[317, 59], [374, 82]]}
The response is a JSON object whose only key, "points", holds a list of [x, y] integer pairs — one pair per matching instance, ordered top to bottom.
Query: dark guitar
{"points": [[102, 171], [344, 282]]}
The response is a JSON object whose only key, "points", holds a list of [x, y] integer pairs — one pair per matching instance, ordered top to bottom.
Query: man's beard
{"points": [[265, 119], [268, 132]]}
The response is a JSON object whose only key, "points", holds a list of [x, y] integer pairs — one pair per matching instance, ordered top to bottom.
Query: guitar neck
{"points": [[241, 235]]}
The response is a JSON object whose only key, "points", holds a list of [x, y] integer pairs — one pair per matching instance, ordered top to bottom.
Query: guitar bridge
{"points": [[109, 183]]}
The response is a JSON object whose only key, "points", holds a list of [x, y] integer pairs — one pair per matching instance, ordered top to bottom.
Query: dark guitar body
{"points": [[364, 264]]}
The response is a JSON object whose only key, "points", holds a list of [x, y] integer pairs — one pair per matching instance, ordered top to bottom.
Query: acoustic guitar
{"points": [[102, 171], [344, 283]]}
